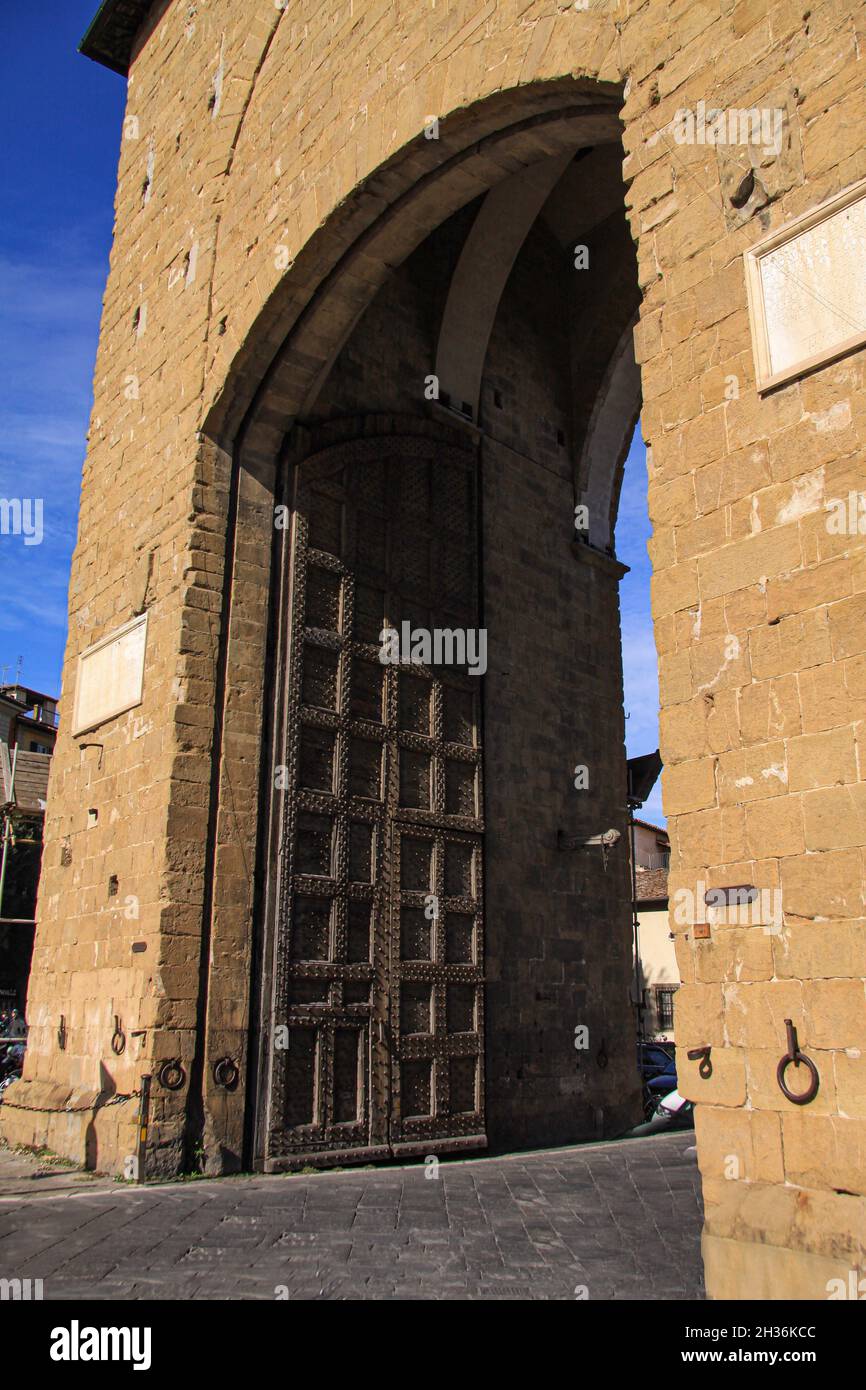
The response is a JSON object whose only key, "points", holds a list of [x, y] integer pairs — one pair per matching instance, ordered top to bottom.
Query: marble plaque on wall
{"points": [[806, 286], [110, 676]]}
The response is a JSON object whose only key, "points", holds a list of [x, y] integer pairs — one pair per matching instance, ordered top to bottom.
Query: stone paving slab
{"points": [[24, 1173], [620, 1220]]}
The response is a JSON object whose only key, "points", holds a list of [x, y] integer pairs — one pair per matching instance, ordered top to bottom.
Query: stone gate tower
{"points": [[390, 286]]}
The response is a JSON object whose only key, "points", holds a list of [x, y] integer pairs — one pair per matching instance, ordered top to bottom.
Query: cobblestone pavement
{"points": [[621, 1220]]}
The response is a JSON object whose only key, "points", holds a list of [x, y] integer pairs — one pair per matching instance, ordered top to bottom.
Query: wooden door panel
{"points": [[384, 532]]}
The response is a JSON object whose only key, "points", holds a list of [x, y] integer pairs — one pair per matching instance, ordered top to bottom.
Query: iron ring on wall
{"points": [[702, 1055], [797, 1057], [226, 1072], [171, 1075]]}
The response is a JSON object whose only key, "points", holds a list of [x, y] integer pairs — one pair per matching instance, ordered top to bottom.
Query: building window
{"points": [[665, 1005]]}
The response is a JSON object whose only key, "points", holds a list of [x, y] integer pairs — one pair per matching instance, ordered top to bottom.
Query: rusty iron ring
{"points": [[118, 1038], [702, 1054], [796, 1056], [226, 1072], [171, 1075]]}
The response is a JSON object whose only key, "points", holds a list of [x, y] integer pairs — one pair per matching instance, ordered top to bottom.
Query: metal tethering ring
{"points": [[702, 1055], [797, 1057], [226, 1072], [171, 1075]]}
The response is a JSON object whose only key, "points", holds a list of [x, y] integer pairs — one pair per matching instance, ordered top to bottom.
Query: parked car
{"points": [[655, 1058], [659, 1073], [660, 1085]]}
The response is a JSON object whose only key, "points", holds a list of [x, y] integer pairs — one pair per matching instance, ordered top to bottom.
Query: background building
{"points": [[28, 719], [28, 729], [660, 977]]}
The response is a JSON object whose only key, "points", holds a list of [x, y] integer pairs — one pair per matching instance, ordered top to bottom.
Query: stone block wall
{"points": [[248, 169]]}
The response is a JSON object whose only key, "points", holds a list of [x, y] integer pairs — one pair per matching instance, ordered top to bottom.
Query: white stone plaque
{"points": [[807, 289], [110, 676]]}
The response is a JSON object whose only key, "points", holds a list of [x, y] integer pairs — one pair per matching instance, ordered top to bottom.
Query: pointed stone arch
{"points": [[519, 142], [486, 261], [606, 444]]}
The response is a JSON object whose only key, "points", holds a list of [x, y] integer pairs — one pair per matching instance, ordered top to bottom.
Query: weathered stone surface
{"points": [[274, 180], [551, 1225]]}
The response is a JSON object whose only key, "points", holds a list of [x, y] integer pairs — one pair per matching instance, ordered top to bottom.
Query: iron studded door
{"points": [[378, 997]]}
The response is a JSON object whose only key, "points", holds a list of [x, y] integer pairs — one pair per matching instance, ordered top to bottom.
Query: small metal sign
{"points": [[737, 895]]}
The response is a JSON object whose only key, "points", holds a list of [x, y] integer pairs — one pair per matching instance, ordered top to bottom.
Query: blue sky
{"points": [[61, 122], [640, 664]]}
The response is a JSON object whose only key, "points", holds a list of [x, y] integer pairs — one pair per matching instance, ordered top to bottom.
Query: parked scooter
{"points": [[11, 1064]]}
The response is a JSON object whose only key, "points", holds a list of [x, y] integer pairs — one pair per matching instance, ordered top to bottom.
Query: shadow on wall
{"points": [[107, 1091]]}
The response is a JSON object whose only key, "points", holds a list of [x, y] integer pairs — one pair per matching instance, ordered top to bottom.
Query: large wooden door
{"points": [[377, 1015]]}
